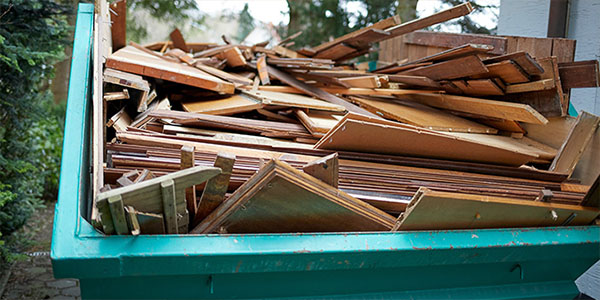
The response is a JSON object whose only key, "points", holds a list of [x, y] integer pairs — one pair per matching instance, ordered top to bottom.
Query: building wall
{"points": [[524, 17], [584, 26]]}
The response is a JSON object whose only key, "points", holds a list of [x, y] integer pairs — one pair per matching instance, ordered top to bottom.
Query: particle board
{"points": [[133, 60], [227, 106], [421, 115], [362, 134], [280, 199], [433, 210]]}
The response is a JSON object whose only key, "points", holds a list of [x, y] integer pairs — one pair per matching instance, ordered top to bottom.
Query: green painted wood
{"points": [[459, 264]]}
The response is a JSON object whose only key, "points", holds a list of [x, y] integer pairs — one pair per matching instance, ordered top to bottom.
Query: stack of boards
{"points": [[205, 138]]}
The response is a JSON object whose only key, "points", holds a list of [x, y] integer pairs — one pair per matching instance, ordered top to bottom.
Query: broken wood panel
{"points": [[118, 18], [365, 38], [178, 40], [452, 40], [536, 47], [563, 49], [285, 52], [457, 52], [234, 57], [521, 58], [130, 59], [451, 69], [581, 74], [479, 87], [316, 92], [226, 106], [482, 107], [421, 115], [318, 123], [504, 125], [353, 133], [576, 142], [524, 144], [325, 169], [216, 187], [592, 197], [280, 199], [432, 210]]}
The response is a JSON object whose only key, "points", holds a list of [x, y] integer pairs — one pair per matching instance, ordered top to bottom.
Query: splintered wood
{"points": [[204, 138]]}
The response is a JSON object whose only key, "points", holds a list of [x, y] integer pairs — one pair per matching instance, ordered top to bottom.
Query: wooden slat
{"points": [[439, 17], [118, 19], [365, 38], [452, 40], [285, 52], [336, 52], [457, 52], [521, 58], [133, 60], [261, 67], [451, 69], [506, 70], [227, 76], [414, 80], [369, 81], [533, 86], [479, 87], [315, 92], [293, 100], [226, 106], [482, 107], [421, 115], [318, 123], [355, 133], [577, 140], [188, 161], [216, 187], [168, 194], [432, 210], [117, 212]]}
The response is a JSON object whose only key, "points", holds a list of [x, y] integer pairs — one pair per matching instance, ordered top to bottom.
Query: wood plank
{"points": [[439, 17], [118, 19], [383, 24], [365, 38], [178, 40], [452, 40], [563, 49], [285, 52], [336, 52], [456, 52], [234, 57], [521, 58], [130, 59], [261, 66], [451, 69], [506, 70], [581, 74], [228, 76], [369, 81], [421, 81], [533, 86], [479, 87], [316, 92], [113, 96], [292, 100], [226, 106], [482, 107], [420, 115], [318, 123], [504, 125], [362, 134], [576, 142], [524, 144], [188, 161], [588, 166], [325, 169], [216, 187], [167, 188], [279, 199], [432, 210], [117, 212], [105, 217], [132, 220]]}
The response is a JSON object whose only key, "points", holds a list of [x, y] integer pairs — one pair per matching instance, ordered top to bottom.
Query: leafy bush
{"points": [[32, 37]]}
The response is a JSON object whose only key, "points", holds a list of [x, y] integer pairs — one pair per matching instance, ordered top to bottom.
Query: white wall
{"points": [[524, 17], [584, 26]]}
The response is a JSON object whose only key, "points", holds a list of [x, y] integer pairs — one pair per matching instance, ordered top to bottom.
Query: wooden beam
{"points": [[439, 17], [167, 188], [115, 204]]}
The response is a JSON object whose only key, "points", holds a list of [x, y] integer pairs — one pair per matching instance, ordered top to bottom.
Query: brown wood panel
{"points": [[118, 19], [451, 40], [450, 69]]}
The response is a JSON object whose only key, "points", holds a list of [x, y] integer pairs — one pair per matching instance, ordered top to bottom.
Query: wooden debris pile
{"points": [[206, 138]]}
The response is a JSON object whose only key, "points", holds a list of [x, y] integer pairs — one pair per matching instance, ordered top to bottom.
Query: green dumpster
{"points": [[483, 264]]}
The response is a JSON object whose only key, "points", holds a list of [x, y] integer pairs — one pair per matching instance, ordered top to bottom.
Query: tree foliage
{"points": [[177, 12], [467, 23], [245, 24], [32, 37]]}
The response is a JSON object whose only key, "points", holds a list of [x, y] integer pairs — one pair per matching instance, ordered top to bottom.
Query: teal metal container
{"points": [[483, 264]]}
